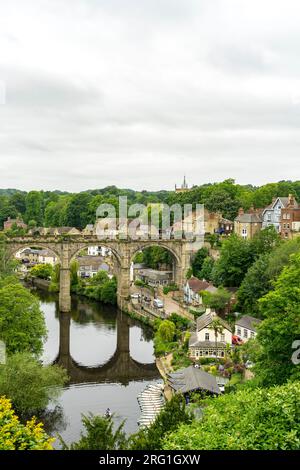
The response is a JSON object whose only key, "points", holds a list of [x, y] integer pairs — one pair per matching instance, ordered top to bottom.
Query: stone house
{"points": [[9, 223], [247, 224]]}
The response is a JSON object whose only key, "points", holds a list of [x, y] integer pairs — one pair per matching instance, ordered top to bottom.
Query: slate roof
{"points": [[249, 218], [196, 285], [207, 318], [248, 322], [191, 378]]}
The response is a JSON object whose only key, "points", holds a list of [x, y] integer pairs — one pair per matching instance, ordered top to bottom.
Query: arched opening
{"points": [[29, 257], [92, 259], [154, 268]]}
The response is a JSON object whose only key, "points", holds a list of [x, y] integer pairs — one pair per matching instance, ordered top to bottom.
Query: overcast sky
{"points": [[138, 92]]}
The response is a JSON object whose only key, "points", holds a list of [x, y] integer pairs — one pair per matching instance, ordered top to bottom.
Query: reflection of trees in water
{"points": [[146, 331], [54, 420]]}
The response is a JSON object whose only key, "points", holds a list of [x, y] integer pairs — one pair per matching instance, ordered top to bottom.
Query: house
{"points": [[272, 214], [290, 219], [211, 221], [10, 223], [247, 224], [226, 227], [88, 230], [56, 231], [99, 251], [32, 256], [47, 257], [89, 266], [134, 270], [155, 278], [192, 289], [246, 327], [204, 342], [192, 379]]}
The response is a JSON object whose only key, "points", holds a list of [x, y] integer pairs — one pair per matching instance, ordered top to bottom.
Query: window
{"points": [[269, 216], [288, 216], [287, 225], [239, 332], [245, 333], [252, 334], [206, 336], [222, 337]]}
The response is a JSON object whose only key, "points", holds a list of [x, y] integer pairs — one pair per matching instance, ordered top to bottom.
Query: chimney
{"points": [[291, 200], [251, 210], [241, 211]]}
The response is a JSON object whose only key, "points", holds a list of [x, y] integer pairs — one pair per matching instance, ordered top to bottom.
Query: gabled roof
{"points": [[249, 218], [196, 285], [207, 318], [248, 322], [191, 378]]}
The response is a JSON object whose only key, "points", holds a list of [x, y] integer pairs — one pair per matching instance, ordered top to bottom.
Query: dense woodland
{"points": [[57, 208]]}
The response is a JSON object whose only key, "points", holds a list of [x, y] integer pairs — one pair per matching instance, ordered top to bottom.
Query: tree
{"points": [[18, 200], [34, 207], [6, 210], [77, 210], [265, 241], [235, 259], [198, 261], [74, 268], [207, 268], [42, 271], [255, 285], [109, 292], [218, 300], [280, 309], [22, 324], [218, 328], [166, 331], [29, 384], [170, 418], [250, 419], [99, 434], [17, 436]]}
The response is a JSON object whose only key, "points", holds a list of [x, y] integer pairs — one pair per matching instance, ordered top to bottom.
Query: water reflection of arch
{"points": [[120, 368]]}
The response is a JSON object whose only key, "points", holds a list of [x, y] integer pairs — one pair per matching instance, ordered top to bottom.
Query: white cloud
{"points": [[136, 93]]}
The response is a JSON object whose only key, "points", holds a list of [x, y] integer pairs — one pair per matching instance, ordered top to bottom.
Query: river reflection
{"points": [[109, 359]]}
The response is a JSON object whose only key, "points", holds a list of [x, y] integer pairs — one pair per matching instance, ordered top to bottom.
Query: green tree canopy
{"points": [[280, 309], [22, 324], [29, 384], [251, 419]]}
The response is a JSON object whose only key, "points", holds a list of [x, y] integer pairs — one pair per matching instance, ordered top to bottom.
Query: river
{"points": [[109, 358]]}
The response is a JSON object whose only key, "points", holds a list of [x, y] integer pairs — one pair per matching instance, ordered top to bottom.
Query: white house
{"points": [[99, 251], [89, 266], [192, 290], [246, 327], [205, 342]]}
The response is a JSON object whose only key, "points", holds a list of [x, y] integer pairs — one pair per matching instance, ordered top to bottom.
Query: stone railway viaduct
{"points": [[67, 247]]}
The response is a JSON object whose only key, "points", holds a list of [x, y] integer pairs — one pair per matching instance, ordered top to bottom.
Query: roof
{"points": [[248, 218], [90, 260], [196, 285], [207, 318], [248, 322], [205, 344], [191, 378]]}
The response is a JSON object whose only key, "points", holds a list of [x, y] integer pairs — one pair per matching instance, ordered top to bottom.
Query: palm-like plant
{"points": [[218, 328]]}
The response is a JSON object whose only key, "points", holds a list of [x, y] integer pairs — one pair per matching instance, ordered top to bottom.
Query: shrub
{"points": [[17, 436]]}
